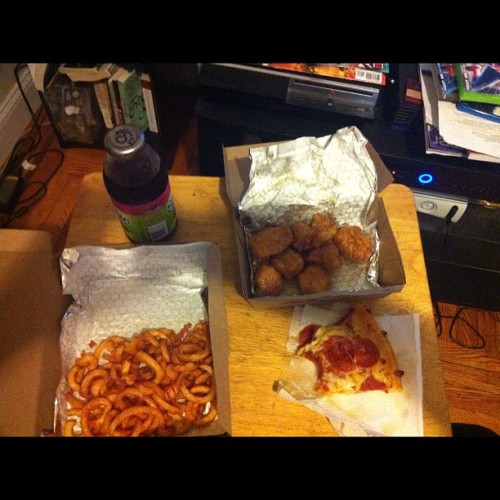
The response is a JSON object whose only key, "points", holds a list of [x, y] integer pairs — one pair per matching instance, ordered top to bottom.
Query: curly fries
{"points": [[158, 383]]}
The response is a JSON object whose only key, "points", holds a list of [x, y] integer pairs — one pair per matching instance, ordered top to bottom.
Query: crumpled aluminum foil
{"points": [[291, 181]]}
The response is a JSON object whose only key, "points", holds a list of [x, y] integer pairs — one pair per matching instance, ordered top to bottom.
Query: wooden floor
{"points": [[469, 346]]}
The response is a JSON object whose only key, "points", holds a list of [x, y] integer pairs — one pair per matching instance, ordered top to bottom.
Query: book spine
{"points": [[103, 99], [132, 101], [149, 101], [115, 103]]}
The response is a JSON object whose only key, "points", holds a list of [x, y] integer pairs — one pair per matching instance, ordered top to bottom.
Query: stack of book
{"points": [[124, 96], [462, 109]]}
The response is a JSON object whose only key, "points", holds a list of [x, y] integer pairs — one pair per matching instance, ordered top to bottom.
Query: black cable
{"points": [[28, 105], [25, 144], [14, 163], [43, 183], [447, 221], [446, 243], [458, 315], [438, 318], [454, 319], [459, 342]]}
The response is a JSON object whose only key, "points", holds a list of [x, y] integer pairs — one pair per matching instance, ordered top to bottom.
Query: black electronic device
{"points": [[297, 85], [11, 187], [462, 257]]}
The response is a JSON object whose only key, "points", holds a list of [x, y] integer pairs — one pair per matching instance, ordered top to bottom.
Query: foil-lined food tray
{"points": [[291, 181], [123, 291]]}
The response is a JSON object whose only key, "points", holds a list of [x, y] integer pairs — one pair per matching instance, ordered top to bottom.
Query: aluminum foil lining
{"points": [[293, 180], [123, 291]]}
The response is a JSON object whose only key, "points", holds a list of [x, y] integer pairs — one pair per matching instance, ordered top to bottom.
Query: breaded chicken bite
{"points": [[323, 227], [302, 236], [269, 241], [353, 244], [327, 256], [289, 263], [314, 279], [268, 281]]}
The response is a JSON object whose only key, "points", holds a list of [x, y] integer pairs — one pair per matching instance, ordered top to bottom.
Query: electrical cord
{"points": [[28, 105], [26, 143], [21, 150], [42, 189], [457, 317]]}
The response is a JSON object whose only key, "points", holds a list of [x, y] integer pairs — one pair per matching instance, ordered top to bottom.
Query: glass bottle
{"points": [[138, 185]]}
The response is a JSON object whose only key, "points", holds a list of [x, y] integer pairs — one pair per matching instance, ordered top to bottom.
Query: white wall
{"points": [[14, 114]]}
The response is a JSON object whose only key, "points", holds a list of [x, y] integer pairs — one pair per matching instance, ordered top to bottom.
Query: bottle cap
{"points": [[124, 140]]}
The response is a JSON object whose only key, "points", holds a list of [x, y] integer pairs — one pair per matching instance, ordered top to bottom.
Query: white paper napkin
{"points": [[373, 413]]}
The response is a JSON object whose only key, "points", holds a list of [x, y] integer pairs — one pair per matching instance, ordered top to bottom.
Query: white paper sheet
{"points": [[467, 131]]}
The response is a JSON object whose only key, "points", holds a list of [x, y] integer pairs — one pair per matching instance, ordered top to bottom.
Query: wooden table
{"points": [[257, 337]]}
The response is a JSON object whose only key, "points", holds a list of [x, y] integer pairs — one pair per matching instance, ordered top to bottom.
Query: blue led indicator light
{"points": [[425, 178]]}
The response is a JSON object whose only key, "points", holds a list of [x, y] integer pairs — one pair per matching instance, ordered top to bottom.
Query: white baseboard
{"points": [[14, 114]]}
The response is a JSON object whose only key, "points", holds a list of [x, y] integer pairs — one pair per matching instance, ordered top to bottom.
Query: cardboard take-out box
{"points": [[391, 276], [32, 305], [31, 308]]}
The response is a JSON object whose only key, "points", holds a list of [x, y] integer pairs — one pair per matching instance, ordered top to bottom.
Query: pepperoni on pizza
{"points": [[351, 356]]}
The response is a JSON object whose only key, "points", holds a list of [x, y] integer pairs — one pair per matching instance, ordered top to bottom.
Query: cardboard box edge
{"points": [[33, 247], [218, 322]]}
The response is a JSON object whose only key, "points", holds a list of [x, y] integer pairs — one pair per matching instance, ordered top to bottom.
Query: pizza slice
{"points": [[351, 356]]}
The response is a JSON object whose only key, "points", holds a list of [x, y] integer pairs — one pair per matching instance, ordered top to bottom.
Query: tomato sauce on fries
{"points": [[158, 383]]}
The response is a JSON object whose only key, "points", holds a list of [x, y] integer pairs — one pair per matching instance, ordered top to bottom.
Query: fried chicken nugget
{"points": [[324, 228], [320, 231], [302, 236], [269, 241], [353, 244], [327, 256], [289, 263], [314, 279], [268, 281]]}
